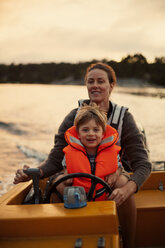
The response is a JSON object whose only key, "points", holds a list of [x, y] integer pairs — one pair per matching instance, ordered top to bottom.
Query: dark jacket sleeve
{"points": [[132, 143], [53, 163]]}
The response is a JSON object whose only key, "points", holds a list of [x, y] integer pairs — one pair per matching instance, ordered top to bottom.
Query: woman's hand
{"points": [[20, 176], [112, 178], [120, 195]]}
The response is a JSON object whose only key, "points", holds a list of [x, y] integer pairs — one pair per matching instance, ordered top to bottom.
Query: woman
{"points": [[100, 80]]}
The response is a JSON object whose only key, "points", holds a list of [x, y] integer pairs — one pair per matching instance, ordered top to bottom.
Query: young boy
{"points": [[91, 147]]}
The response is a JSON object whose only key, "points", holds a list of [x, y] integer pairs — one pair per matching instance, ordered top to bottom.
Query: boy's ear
{"points": [[104, 131]]}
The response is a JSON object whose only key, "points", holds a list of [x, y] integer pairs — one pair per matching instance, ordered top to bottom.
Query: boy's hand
{"points": [[21, 176], [112, 178], [64, 184]]}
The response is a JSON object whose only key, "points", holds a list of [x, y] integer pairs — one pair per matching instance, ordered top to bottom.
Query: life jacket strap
{"points": [[116, 119]]}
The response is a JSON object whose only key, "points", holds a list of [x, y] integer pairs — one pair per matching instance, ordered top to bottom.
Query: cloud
{"points": [[69, 30]]}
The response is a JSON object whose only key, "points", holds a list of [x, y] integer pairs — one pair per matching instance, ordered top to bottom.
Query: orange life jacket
{"points": [[77, 160]]}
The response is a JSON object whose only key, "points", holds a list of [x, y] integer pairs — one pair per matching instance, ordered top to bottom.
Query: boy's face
{"points": [[90, 135]]}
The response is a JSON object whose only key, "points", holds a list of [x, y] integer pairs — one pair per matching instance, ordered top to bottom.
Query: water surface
{"points": [[31, 114]]}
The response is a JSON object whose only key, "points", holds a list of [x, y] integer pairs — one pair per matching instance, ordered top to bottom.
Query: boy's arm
{"points": [[112, 178]]}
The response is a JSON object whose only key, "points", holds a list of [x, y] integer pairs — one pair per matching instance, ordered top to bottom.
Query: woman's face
{"points": [[98, 86]]}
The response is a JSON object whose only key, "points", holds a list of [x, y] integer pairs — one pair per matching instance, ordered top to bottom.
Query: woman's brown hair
{"points": [[108, 69]]}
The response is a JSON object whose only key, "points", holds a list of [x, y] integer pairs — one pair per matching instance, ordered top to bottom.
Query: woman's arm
{"points": [[132, 144], [53, 164]]}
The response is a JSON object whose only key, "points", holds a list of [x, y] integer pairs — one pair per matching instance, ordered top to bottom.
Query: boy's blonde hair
{"points": [[89, 112]]}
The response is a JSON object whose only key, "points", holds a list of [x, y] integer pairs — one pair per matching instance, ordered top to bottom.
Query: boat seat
{"points": [[150, 199], [150, 203]]}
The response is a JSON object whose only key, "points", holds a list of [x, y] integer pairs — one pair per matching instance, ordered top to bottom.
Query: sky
{"points": [[43, 31]]}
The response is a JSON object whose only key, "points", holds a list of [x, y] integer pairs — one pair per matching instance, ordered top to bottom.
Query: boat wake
{"points": [[12, 128], [32, 153]]}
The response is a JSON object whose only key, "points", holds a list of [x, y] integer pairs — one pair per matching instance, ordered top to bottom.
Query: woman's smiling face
{"points": [[98, 85]]}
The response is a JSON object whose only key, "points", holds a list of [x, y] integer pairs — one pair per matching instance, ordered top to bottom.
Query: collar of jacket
{"points": [[110, 138]]}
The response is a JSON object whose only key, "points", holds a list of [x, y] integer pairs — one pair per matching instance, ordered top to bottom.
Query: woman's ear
{"points": [[112, 85]]}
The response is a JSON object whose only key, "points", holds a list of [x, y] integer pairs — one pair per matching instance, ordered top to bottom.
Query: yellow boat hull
{"points": [[53, 225]]}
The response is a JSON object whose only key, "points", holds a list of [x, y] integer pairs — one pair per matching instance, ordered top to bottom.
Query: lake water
{"points": [[31, 114]]}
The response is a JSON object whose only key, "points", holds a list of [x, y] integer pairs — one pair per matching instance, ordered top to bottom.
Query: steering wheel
{"points": [[94, 181]]}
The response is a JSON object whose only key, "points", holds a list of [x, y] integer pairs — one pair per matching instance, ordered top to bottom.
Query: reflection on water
{"points": [[31, 114]]}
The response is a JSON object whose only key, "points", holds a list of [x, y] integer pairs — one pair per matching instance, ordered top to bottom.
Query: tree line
{"points": [[131, 66]]}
